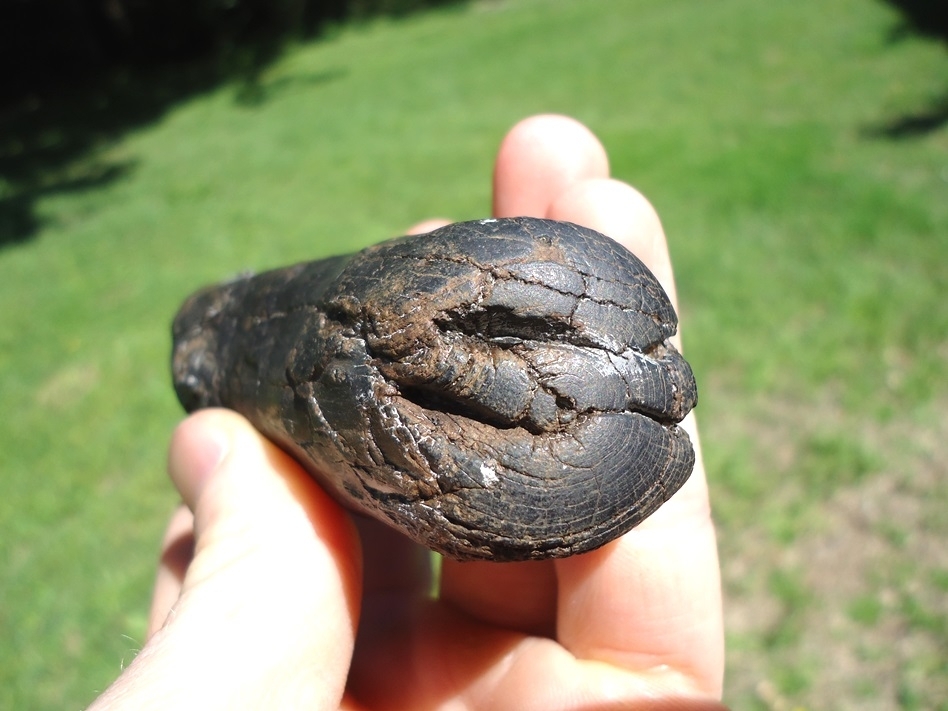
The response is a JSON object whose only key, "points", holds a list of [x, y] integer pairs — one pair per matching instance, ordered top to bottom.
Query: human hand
{"points": [[264, 580]]}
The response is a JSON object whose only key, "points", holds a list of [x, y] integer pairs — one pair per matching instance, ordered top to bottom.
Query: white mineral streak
{"points": [[488, 475]]}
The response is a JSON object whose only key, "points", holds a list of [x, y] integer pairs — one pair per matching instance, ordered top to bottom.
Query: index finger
{"points": [[540, 158], [651, 599]]}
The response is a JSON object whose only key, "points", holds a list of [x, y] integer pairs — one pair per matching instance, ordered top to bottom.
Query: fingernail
{"points": [[198, 448], [210, 450]]}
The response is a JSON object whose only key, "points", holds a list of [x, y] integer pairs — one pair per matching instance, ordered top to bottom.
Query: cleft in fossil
{"points": [[500, 389]]}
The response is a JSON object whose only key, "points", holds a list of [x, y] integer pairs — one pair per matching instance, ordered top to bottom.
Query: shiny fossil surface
{"points": [[501, 389]]}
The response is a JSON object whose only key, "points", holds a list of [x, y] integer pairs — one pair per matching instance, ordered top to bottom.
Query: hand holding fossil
{"points": [[267, 595]]}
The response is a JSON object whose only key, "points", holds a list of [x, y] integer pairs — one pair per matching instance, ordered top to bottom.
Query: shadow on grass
{"points": [[924, 17], [928, 18], [254, 92], [914, 124], [58, 141], [17, 218]]}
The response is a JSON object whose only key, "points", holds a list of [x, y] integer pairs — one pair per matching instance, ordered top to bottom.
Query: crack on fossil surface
{"points": [[506, 273], [493, 322]]}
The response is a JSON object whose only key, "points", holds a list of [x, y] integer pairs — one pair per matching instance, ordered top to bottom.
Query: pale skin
{"points": [[270, 595]]}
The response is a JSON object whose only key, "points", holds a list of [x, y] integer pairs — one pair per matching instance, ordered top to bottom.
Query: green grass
{"points": [[810, 252]]}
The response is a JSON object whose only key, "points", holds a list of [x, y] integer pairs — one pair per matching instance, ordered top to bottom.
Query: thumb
{"points": [[267, 609]]}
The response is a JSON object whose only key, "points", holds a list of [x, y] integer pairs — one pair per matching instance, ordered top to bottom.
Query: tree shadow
{"points": [[924, 17], [928, 18], [255, 91], [69, 105], [913, 124], [55, 141], [58, 141], [18, 220]]}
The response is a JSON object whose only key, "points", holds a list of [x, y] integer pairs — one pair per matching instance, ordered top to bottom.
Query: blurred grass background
{"points": [[798, 155]]}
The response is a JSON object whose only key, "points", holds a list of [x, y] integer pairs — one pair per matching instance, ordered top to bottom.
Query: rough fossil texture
{"points": [[501, 389]]}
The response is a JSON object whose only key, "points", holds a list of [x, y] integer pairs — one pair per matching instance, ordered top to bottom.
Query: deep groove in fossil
{"points": [[494, 322], [431, 400]]}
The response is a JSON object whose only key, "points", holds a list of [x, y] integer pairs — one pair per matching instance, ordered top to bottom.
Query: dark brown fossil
{"points": [[501, 389]]}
